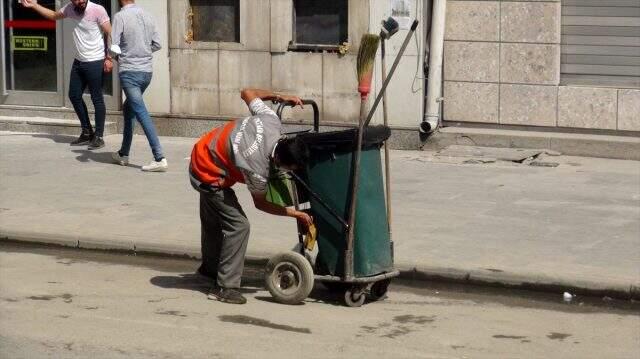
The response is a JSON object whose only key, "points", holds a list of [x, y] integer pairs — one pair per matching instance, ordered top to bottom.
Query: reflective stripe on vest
{"points": [[222, 154], [212, 158]]}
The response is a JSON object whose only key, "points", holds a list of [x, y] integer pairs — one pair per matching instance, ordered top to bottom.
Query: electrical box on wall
{"points": [[401, 12]]}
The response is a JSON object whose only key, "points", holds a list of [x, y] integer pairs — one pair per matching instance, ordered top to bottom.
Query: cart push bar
{"points": [[316, 113]]}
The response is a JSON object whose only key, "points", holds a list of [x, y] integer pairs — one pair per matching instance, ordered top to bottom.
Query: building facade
{"points": [[291, 47], [556, 64]]}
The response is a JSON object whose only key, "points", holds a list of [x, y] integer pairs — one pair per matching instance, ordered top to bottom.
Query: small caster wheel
{"points": [[289, 277], [379, 289], [354, 297]]}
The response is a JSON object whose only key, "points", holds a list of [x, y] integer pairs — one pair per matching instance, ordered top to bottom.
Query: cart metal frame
{"points": [[377, 284], [357, 285]]}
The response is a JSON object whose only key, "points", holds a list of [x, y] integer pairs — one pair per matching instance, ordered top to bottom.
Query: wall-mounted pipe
{"points": [[434, 87]]}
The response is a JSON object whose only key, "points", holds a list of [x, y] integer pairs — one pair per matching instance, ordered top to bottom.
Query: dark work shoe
{"points": [[84, 139], [96, 142], [226, 295]]}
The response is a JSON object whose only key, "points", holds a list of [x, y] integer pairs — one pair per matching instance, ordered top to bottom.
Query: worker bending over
{"points": [[240, 151]]}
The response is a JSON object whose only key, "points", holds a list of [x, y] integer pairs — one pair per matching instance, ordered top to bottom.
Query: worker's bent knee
{"points": [[244, 226]]}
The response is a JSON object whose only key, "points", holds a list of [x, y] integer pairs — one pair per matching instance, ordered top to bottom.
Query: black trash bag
{"points": [[374, 136]]}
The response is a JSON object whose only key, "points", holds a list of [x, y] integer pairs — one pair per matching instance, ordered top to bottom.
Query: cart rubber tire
{"points": [[289, 277], [379, 289], [354, 297]]}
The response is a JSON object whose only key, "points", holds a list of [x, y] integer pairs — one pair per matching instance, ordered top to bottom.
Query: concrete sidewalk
{"points": [[572, 227]]}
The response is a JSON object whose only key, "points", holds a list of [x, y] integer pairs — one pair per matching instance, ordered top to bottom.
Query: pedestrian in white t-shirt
{"points": [[91, 26]]}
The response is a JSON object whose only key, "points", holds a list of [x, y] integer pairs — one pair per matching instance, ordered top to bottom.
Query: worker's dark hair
{"points": [[292, 152]]}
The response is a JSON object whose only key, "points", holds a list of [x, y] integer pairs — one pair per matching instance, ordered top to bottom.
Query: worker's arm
{"points": [[43, 11], [249, 95], [261, 203]]}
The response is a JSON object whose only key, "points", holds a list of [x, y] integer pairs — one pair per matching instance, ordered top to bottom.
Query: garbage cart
{"points": [[327, 185]]}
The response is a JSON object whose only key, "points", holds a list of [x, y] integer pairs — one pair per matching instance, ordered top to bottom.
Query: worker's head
{"points": [[126, 2], [79, 5], [291, 154]]}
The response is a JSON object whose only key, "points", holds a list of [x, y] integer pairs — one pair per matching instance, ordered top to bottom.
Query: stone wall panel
{"points": [[470, 102], [586, 107]]}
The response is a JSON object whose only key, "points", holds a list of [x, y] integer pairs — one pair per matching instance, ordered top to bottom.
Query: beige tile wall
{"points": [[511, 50], [525, 78], [586, 107], [629, 110]]}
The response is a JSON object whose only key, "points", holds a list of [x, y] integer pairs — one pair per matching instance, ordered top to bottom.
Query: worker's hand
{"points": [[29, 3], [108, 65], [294, 100], [304, 219]]}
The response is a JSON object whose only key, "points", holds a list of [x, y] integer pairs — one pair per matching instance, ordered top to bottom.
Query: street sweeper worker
{"points": [[240, 151]]}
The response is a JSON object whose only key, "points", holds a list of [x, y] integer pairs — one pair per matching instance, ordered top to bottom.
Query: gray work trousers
{"points": [[224, 236]]}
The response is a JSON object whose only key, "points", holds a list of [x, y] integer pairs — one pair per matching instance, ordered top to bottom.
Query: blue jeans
{"points": [[89, 74], [134, 83]]}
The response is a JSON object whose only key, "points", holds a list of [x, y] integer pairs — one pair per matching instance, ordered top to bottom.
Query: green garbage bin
{"points": [[328, 175]]}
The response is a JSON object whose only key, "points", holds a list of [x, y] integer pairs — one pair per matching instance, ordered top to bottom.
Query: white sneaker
{"points": [[121, 160], [156, 166]]}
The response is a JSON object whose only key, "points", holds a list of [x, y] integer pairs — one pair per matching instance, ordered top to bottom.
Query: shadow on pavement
{"points": [[55, 138], [101, 157], [190, 281], [317, 295]]}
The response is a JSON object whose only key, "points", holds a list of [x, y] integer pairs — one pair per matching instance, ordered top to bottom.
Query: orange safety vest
{"points": [[211, 158]]}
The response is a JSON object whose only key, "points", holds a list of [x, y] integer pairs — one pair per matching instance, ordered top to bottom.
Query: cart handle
{"points": [[316, 112]]}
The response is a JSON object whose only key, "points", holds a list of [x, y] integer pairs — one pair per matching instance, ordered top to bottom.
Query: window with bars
{"points": [[215, 20], [319, 24], [601, 43]]}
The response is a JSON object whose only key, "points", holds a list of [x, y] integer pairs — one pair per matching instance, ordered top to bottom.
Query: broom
{"points": [[366, 58], [364, 67]]}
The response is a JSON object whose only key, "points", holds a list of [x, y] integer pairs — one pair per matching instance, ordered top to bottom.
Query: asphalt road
{"points": [[80, 304]]}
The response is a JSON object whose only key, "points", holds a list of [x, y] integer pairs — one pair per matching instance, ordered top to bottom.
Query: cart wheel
{"points": [[289, 277], [379, 289], [354, 297]]}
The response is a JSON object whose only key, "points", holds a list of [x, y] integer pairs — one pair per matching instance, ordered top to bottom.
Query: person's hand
{"points": [[29, 3], [108, 65], [294, 100], [304, 219]]}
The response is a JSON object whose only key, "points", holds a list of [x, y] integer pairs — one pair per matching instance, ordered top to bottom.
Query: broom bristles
{"points": [[367, 55]]}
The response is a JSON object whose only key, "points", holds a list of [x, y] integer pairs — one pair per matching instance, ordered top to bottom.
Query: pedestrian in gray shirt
{"points": [[134, 45]]}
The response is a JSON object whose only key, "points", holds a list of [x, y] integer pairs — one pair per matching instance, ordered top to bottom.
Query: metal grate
{"points": [[601, 43]]}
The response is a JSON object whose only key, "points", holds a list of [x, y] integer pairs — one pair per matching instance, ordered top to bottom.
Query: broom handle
{"points": [[393, 69], [355, 178], [387, 178]]}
